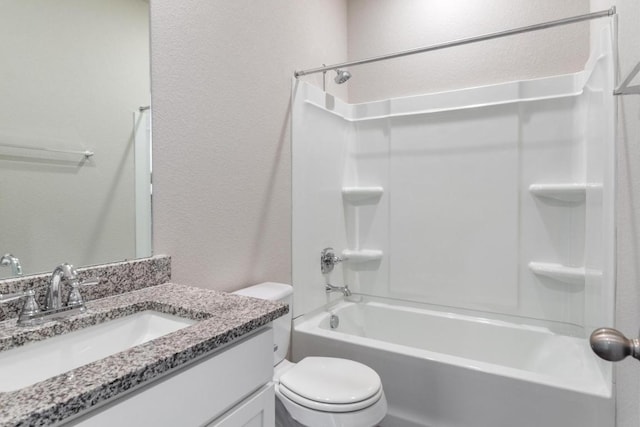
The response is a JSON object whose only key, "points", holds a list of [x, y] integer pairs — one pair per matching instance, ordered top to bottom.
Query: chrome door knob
{"points": [[612, 345]]}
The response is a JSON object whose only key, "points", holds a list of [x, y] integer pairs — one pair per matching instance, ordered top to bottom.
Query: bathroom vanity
{"points": [[215, 370], [228, 387]]}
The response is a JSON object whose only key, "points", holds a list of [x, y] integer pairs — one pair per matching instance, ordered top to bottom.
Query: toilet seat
{"points": [[331, 384], [329, 407], [366, 417]]}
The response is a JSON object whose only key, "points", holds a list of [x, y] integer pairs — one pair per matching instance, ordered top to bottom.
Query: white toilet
{"points": [[318, 391]]}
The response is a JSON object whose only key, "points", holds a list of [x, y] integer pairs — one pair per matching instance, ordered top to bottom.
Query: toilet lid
{"points": [[332, 381]]}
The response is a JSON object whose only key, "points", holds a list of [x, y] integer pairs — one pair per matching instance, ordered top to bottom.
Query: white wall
{"points": [[397, 25], [72, 75], [221, 79], [320, 151], [456, 224]]}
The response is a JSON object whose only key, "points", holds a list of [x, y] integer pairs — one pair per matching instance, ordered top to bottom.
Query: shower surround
{"points": [[494, 202]]}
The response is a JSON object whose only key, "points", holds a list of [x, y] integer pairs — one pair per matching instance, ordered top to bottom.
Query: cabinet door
{"points": [[256, 411]]}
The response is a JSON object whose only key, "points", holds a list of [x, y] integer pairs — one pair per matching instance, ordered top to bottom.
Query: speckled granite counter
{"points": [[223, 317]]}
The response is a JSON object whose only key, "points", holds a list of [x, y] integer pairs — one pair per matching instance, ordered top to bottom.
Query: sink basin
{"points": [[37, 361]]}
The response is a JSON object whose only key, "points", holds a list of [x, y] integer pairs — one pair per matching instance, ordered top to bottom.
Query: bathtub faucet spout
{"points": [[344, 289]]}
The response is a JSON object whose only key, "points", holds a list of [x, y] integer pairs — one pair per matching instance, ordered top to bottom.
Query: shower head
{"points": [[342, 76]]}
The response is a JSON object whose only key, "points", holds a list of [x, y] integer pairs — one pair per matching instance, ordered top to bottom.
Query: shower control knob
{"points": [[328, 260], [612, 345]]}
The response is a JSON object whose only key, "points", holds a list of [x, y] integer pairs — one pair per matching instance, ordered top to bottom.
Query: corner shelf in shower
{"points": [[564, 192], [362, 195], [361, 255], [559, 272]]}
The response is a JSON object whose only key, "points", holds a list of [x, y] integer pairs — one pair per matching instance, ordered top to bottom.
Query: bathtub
{"points": [[442, 369]]}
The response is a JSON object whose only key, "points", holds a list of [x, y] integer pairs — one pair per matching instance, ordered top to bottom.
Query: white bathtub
{"points": [[450, 370]]}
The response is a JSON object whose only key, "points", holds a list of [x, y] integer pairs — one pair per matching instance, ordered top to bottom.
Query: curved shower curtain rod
{"points": [[459, 42]]}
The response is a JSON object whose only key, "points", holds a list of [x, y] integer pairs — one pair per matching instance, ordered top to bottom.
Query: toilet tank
{"points": [[281, 326]]}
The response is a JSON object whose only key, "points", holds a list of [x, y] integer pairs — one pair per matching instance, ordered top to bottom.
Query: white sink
{"points": [[37, 361]]}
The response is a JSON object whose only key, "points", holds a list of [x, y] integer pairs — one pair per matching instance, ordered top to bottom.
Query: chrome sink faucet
{"points": [[8, 260], [67, 274], [54, 308]]}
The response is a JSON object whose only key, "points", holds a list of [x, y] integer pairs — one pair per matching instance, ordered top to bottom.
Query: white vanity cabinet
{"points": [[230, 387]]}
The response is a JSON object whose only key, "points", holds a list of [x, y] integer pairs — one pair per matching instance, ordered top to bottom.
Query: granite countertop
{"points": [[222, 318]]}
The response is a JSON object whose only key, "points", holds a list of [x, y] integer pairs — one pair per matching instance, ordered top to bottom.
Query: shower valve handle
{"points": [[328, 260], [612, 345]]}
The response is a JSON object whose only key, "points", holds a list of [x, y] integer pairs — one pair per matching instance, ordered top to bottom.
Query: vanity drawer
{"points": [[197, 393]]}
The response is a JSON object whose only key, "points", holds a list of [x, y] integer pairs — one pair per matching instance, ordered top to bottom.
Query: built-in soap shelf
{"points": [[564, 192], [572, 192], [362, 195], [361, 255], [562, 273]]}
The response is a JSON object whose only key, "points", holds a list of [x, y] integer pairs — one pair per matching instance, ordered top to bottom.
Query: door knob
{"points": [[612, 345]]}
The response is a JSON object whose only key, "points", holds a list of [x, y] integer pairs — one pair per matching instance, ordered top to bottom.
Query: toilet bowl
{"points": [[318, 391], [325, 391]]}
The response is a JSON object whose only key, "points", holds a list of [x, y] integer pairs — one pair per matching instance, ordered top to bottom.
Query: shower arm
{"points": [[550, 24]]}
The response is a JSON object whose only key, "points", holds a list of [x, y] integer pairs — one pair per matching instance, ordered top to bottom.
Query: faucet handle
{"points": [[328, 260], [90, 282], [13, 296], [75, 297], [30, 306], [29, 309]]}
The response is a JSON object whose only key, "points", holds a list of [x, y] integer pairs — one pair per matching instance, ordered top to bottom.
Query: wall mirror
{"points": [[74, 132]]}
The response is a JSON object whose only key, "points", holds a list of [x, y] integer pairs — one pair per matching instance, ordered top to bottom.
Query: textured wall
{"points": [[397, 25], [221, 80], [628, 215]]}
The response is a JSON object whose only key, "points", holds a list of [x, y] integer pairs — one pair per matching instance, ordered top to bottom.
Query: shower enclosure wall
{"points": [[493, 203]]}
